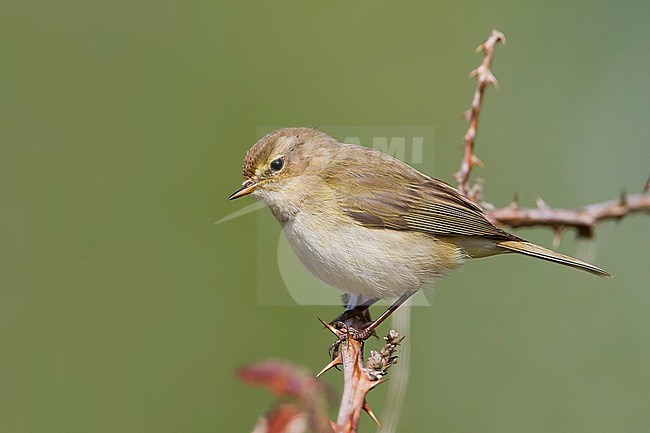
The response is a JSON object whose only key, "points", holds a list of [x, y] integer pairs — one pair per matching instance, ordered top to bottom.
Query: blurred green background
{"points": [[124, 308]]}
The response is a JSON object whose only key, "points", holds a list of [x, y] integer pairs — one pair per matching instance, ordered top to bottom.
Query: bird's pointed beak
{"points": [[246, 188]]}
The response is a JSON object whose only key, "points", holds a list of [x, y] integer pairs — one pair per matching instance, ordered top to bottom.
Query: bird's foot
{"points": [[355, 323], [345, 331], [362, 334], [335, 348]]}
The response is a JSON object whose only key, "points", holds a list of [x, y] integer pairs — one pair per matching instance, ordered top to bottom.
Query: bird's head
{"points": [[280, 161]]}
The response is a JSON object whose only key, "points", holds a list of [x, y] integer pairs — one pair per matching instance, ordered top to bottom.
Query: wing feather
{"points": [[420, 204]]}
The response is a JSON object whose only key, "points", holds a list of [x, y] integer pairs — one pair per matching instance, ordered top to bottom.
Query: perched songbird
{"points": [[369, 224]]}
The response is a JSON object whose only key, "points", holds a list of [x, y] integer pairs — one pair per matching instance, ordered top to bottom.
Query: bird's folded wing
{"points": [[425, 205]]}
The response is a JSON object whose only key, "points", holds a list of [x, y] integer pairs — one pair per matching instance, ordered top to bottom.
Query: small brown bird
{"points": [[369, 224]]}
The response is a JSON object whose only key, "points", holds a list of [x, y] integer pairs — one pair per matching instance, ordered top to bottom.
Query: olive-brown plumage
{"points": [[367, 223]]}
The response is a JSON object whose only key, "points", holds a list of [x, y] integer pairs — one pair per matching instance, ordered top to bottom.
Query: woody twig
{"points": [[484, 78], [583, 220], [359, 379]]}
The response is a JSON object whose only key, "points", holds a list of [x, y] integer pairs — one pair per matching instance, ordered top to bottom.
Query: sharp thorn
{"points": [[500, 37], [491, 79], [467, 115], [476, 161], [646, 187], [623, 197], [515, 201], [541, 204], [558, 236], [331, 328], [336, 361], [378, 382], [369, 411]]}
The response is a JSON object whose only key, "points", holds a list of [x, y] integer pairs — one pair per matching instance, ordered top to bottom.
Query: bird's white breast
{"points": [[377, 263]]}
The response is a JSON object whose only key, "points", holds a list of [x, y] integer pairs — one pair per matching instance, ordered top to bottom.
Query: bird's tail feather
{"points": [[533, 250]]}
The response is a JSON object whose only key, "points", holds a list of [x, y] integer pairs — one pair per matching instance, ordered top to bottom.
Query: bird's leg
{"points": [[357, 311], [357, 317], [368, 330]]}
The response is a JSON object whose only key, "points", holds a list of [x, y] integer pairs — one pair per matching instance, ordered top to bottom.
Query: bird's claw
{"points": [[340, 329], [344, 332], [361, 334], [335, 348]]}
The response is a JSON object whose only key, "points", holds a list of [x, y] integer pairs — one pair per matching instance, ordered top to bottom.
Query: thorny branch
{"points": [[484, 78], [583, 220], [358, 379], [303, 398]]}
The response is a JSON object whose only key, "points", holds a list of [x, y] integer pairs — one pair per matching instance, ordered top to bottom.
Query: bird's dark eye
{"points": [[277, 164]]}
